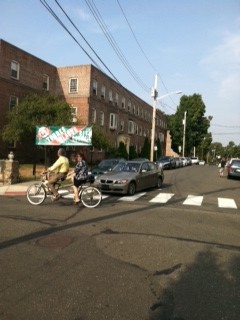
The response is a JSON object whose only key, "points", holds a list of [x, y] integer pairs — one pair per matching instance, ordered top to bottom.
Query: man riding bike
{"points": [[58, 171]]}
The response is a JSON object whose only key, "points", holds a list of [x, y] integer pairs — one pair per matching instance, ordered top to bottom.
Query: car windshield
{"points": [[164, 159], [107, 163], [235, 163], [127, 166]]}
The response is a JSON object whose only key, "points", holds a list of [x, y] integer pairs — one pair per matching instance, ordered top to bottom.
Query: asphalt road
{"points": [[125, 260]]}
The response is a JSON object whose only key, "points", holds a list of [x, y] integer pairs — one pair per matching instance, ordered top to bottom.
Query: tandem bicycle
{"points": [[89, 195]]}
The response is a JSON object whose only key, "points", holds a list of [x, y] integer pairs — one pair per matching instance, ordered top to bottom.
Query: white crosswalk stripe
{"points": [[163, 197], [133, 198], [193, 200], [226, 203]]}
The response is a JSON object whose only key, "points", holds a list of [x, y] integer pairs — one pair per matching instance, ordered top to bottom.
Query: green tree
{"points": [[35, 110], [197, 125], [100, 140], [159, 149], [231, 150], [122, 151], [132, 153], [145, 153]]}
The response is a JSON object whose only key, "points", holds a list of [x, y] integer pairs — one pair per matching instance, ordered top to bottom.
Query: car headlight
{"points": [[122, 181]]}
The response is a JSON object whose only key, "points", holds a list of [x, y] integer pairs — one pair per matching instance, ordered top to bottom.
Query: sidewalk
{"points": [[17, 189]]}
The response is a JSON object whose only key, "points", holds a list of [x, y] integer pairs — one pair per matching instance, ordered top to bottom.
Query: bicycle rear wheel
{"points": [[36, 194], [91, 197]]}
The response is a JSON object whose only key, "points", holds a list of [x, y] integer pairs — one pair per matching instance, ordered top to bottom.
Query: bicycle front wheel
{"points": [[36, 194], [91, 197]]}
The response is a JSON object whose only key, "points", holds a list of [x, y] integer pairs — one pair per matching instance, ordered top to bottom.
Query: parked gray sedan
{"points": [[131, 176]]}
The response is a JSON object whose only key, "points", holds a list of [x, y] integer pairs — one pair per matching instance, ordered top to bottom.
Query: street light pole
{"points": [[154, 95], [184, 132]]}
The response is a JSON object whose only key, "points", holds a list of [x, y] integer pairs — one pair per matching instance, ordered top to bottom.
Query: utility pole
{"points": [[154, 95], [184, 132]]}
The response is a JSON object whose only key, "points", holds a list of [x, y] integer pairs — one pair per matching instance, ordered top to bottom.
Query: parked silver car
{"points": [[195, 160], [184, 161], [105, 166], [233, 168], [131, 176]]}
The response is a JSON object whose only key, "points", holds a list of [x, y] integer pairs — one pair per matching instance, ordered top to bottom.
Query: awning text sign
{"points": [[64, 136]]}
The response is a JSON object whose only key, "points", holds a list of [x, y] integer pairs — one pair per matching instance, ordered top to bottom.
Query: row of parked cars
{"points": [[168, 162]]}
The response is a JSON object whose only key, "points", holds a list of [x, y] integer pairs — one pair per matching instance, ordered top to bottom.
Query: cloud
{"points": [[82, 14], [223, 65]]}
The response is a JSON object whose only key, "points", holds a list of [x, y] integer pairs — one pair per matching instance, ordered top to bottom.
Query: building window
{"points": [[15, 67], [46, 82], [73, 85], [95, 87], [103, 91], [110, 96], [116, 99], [13, 102], [123, 102], [129, 106], [134, 109], [138, 112], [74, 114], [93, 116], [149, 117], [101, 118], [113, 121], [122, 125], [131, 127], [136, 129], [12, 145]]}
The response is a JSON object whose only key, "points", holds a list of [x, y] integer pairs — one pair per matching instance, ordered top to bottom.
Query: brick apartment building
{"points": [[94, 97]]}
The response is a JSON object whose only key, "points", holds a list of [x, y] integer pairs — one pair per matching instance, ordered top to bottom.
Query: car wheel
{"points": [[160, 182], [132, 188]]}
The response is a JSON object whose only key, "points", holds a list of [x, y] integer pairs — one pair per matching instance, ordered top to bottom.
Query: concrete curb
{"points": [[19, 189]]}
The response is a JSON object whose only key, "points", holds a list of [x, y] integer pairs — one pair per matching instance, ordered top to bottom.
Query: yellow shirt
{"points": [[61, 165]]}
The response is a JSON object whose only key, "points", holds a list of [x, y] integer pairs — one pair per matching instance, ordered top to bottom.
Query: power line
{"points": [[91, 5], [50, 10], [86, 40], [140, 47], [143, 52], [224, 126], [224, 133]]}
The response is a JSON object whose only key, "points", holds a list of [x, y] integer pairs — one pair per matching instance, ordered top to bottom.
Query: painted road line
{"points": [[67, 194], [162, 197], [132, 198], [193, 200], [226, 203]]}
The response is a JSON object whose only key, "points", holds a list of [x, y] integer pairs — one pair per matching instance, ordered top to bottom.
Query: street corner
{"points": [[13, 190]]}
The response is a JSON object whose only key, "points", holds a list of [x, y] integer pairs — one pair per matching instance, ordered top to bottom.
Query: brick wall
{"points": [[30, 80]]}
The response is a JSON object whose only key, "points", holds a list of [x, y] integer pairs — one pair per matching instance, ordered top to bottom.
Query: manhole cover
{"points": [[55, 241]]}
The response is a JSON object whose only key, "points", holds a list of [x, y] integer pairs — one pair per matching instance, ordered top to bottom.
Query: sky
{"points": [[192, 46]]}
